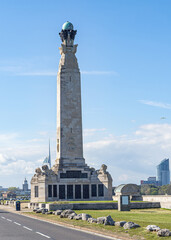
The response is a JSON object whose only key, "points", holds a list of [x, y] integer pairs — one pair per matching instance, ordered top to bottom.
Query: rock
{"points": [[35, 209], [39, 210], [44, 210], [58, 212], [47, 213], [66, 213], [72, 215], [85, 216], [78, 217], [92, 220], [101, 220], [105, 220], [109, 221], [120, 224], [130, 225], [152, 228], [164, 233]]}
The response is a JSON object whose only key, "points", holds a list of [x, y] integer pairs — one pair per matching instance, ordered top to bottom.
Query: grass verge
{"points": [[144, 217]]}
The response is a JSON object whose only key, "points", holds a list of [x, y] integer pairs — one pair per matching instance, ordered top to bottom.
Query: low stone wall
{"points": [[157, 198], [165, 200], [142, 205], [82, 206], [92, 206]]}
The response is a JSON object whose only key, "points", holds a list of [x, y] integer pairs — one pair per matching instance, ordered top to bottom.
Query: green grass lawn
{"points": [[143, 217]]}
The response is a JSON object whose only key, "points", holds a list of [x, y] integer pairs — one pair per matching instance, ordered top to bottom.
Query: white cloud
{"points": [[25, 67], [40, 73], [54, 73], [100, 73], [156, 104], [92, 131], [8, 136], [35, 140], [20, 156], [134, 157], [2, 158], [130, 158], [17, 167]]}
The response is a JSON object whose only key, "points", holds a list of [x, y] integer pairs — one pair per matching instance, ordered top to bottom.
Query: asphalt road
{"points": [[18, 227]]}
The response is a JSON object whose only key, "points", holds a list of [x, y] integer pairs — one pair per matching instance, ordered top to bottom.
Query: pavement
{"points": [[14, 225]]}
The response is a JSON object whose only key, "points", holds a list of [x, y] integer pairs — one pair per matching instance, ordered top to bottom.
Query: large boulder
{"points": [[35, 209], [39, 210], [44, 210], [58, 212], [66, 213], [72, 215], [85, 216], [78, 217], [92, 220], [101, 220], [105, 220], [109, 221], [120, 224], [130, 225], [152, 228], [164, 233]]}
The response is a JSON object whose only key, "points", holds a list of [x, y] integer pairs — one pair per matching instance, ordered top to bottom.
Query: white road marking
{"points": [[3, 217], [9, 220], [17, 223], [27, 228], [75, 229], [42, 234]]}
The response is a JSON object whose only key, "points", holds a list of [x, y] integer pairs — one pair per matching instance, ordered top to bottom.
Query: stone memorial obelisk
{"points": [[69, 117], [70, 178]]}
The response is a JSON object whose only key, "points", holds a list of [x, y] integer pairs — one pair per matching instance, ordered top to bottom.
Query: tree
{"points": [[12, 189]]}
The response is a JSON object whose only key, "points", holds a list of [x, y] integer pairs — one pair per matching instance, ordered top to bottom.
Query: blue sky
{"points": [[124, 56]]}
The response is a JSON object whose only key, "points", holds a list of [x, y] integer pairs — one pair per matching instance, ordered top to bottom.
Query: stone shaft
{"points": [[69, 119]]}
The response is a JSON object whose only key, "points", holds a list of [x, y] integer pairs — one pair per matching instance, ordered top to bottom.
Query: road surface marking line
{"points": [[3, 217], [9, 220], [17, 223], [69, 227], [27, 228], [76, 229], [42, 234]]}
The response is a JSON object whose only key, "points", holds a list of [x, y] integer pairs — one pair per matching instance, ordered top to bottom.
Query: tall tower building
{"points": [[163, 173], [70, 177], [25, 185]]}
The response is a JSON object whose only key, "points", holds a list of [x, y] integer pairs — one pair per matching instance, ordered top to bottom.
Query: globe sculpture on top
{"points": [[67, 26], [67, 34]]}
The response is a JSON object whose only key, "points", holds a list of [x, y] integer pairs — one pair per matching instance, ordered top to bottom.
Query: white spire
{"points": [[49, 155]]}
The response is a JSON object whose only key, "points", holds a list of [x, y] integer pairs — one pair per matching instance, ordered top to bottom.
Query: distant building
{"points": [[163, 173], [150, 180], [25, 185], [9, 195]]}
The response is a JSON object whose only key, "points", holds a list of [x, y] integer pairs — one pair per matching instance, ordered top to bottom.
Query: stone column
{"points": [[69, 116]]}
